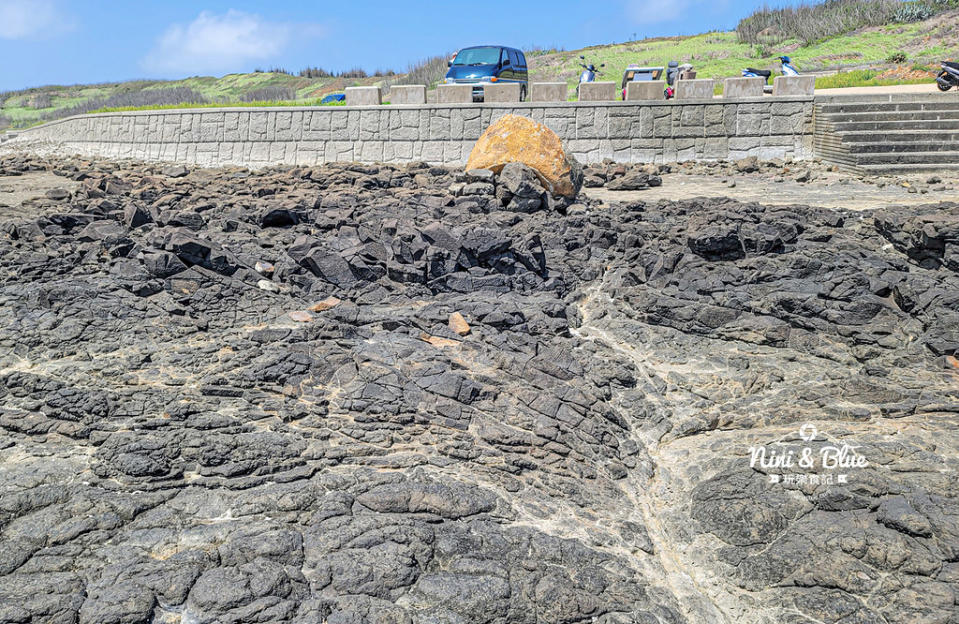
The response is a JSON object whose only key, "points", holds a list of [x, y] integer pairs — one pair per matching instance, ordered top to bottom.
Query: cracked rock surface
{"points": [[350, 394]]}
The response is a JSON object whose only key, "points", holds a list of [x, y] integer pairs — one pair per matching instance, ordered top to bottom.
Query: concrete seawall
{"points": [[624, 131]]}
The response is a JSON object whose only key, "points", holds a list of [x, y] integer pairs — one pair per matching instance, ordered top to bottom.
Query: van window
{"points": [[477, 56], [514, 58], [522, 58]]}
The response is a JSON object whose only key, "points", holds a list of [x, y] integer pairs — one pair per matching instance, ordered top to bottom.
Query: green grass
{"points": [[721, 55], [861, 78], [224, 91], [258, 104]]}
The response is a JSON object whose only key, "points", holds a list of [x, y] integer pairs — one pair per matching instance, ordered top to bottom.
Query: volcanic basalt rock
{"points": [[179, 443]]}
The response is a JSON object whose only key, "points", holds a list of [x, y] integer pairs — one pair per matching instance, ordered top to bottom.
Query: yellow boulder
{"points": [[514, 138]]}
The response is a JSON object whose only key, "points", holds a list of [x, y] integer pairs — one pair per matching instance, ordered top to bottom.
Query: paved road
{"points": [[929, 87], [915, 88]]}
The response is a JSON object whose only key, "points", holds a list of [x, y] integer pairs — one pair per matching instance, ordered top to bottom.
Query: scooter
{"points": [[787, 70], [674, 72], [589, 73], [949, 76]]}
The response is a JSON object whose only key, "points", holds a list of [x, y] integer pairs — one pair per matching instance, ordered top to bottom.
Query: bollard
{"points": [[794, 85], [743, 87], [701, 89], [645, 90], [597, 91], [501, 92], [547, 92], [407, 94], [454, 94], [364, 96]]}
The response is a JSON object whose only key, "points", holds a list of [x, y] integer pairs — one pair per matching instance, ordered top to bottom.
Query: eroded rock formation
{"points": [[229, 396]]}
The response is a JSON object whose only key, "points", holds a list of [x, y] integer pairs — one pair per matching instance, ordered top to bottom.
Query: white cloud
{"points": [[30, 19], [219, 43]]}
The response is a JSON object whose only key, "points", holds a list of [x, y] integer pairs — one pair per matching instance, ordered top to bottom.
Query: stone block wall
{"points": [[645, 90], [624, 131]]}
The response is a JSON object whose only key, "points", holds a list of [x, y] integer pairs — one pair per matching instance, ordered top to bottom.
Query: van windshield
{"points": [[477, 56]]}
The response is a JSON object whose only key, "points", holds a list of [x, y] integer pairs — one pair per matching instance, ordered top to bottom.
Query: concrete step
{"points": [[825, 97], [885, 107], [951, 113], [860, 126], [904, 133], [899, 136], [902, 147], [909, 158], [906, 169]]}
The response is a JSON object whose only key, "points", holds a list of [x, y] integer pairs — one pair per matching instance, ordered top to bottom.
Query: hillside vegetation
{"points": [[809, 23], [869, 42], [894, 50], [30, 106]]}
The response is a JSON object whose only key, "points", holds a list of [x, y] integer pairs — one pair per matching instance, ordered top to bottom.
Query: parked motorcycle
{"points": [[787, 70], [674, 72], [589, 73], [949, 76]]}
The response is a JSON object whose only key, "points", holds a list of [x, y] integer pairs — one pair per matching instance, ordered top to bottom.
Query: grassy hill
{"points": [[893, 53], [890, 54], [31, 106]]}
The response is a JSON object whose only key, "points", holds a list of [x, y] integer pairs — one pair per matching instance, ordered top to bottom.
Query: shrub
{"points": [[913, 12], [811, 22], [541, 51], [897, 58], [314, 72], [356, 72], [426, 72], [853, 78], [267, 94], [137, 97], [40, 100], [4, 122]]}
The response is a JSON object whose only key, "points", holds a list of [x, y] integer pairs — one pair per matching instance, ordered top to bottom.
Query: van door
{"points": [[514, 65], [503, 68], [522, 70], [506, 73]]}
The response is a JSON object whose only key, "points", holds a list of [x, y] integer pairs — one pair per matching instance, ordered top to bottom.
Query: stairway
{"points": [[888, 134]]}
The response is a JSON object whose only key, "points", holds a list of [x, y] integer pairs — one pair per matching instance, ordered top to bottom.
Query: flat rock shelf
{"points": [[236, 396]]}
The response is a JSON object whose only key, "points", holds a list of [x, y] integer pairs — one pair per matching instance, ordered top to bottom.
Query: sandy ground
{"points": [[915, 88], [925, 88], [14, 190], [828, 190]]}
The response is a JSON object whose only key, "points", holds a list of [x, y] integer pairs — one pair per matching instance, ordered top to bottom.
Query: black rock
{"points": [[175, 171], [630, 182], [134, 216], [328, 266], [182, 438]]}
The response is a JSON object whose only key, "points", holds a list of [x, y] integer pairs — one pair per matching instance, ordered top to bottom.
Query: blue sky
{"points": [[68, 42]]}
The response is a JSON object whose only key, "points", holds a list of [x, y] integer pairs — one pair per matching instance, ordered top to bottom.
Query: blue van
{"points": [[481, 65]]}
